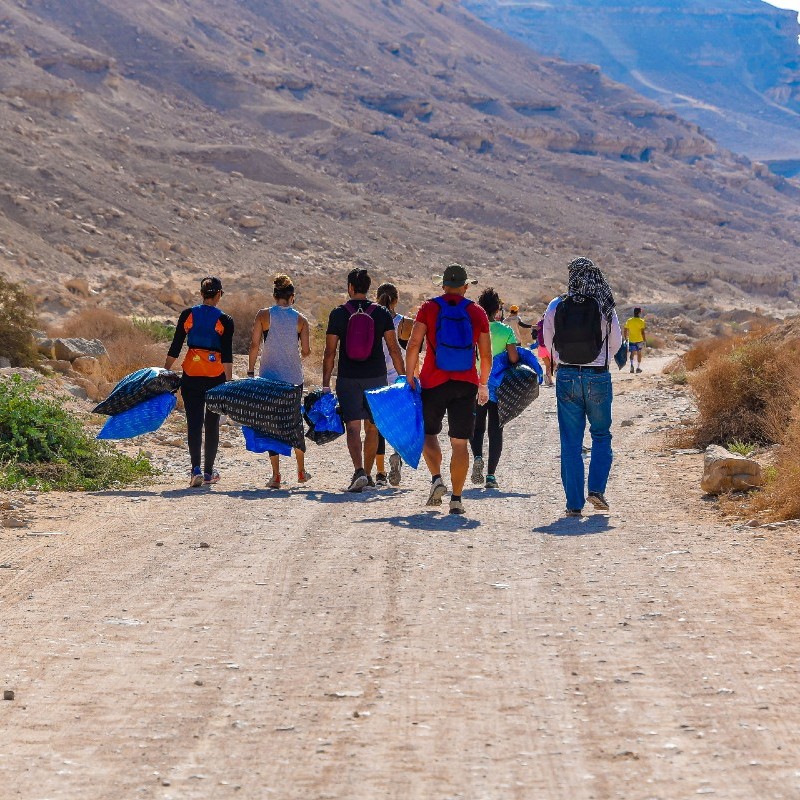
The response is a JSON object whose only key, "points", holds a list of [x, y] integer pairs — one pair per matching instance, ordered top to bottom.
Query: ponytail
{"points": [[387, 294]]}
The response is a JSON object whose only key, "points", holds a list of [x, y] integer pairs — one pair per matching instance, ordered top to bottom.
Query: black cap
{"points": [[455, 276], [210, 286]]}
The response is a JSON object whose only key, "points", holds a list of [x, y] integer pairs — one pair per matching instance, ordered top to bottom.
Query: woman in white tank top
{"points": [[387, 296], [281, 334]]}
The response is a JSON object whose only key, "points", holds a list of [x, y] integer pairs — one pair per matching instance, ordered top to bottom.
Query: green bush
{"points": [[17, 324], [157, 331], [42, 445]]}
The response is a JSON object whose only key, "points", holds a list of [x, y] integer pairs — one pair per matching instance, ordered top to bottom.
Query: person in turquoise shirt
{"points": [[503, 338]]}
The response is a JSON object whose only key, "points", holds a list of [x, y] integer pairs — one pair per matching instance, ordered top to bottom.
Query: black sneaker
{"points": [[359, 481], [380, 481], [598, 500], [573, 512]]}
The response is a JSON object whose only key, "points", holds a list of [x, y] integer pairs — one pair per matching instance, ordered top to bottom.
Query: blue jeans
{"points": [[581, 396]]}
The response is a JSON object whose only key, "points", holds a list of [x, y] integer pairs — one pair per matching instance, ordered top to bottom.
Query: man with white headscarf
{"points": [[582, 332]]}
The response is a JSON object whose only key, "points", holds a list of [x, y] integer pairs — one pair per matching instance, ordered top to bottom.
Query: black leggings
{"points": [[200, 421], [495, 435], [381, 451]]}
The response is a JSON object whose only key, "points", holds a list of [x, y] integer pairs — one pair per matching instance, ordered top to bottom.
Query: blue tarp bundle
{"points": [[500, 364], [138, 386], [514, 387], [397, 411], [321, 412], [146, 417], [257, 442]]}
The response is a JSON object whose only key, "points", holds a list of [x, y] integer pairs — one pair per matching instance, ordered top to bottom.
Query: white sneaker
{"points": [[438, 491]]}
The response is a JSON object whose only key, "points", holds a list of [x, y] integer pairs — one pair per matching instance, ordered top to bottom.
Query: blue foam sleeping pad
{"points": [[500, 364], [397, 411], [145, 417], [257, 442]]}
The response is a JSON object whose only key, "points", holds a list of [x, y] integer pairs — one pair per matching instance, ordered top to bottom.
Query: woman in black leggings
{"points": [[502, 339], [208, 363]]}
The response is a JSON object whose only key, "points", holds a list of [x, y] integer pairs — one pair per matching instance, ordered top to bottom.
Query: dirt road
{"points": [[330, 646]]}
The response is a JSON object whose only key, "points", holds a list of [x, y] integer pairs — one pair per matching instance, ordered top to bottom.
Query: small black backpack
{"points": [[578, 334]]}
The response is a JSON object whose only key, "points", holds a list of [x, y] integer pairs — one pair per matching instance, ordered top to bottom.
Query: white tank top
{"points": [[280, 353]]}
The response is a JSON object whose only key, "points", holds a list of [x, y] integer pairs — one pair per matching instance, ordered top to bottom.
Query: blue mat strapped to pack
{"points": [[138, 386], [272, 408], [397, 411], [145, 417]]}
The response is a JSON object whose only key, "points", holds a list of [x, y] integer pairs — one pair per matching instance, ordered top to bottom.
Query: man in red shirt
{"points": [[446, 391]]}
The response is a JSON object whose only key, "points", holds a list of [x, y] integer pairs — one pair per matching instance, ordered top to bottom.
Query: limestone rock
{"points": [[78, 286], [46, 347], [70, 349], [89, 366], [724, 471]]}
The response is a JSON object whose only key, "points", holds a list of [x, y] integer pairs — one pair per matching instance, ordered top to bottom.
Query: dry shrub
{"points": [[243, 308], [17, 323], [129, 347], [697, 355], [746, 393], [780, 498]]}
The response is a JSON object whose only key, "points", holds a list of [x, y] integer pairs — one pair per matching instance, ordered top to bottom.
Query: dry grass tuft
{"points": [[129, 347]]}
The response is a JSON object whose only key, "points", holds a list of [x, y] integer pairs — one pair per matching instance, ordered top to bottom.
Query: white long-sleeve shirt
{"points": [[614, 337]]}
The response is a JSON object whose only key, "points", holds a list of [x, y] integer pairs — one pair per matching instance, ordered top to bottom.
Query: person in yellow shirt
{"points": [[635, 333]]}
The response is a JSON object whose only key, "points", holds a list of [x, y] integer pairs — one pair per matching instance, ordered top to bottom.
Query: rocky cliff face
{"points": [[731, 66], [143, 144]]}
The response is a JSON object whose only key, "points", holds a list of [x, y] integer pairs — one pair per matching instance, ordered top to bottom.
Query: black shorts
{"points": [[352, 400], [457, 400]]}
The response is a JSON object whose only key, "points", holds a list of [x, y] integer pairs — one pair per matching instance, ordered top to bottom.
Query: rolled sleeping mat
{"points": [[139, 386], [518, 389]]}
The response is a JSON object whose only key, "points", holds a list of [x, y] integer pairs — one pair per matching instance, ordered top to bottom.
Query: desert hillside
{"points": [[731, 66], [145, 144]]}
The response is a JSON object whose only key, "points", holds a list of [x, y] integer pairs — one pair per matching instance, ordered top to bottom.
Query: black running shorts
{"points": [[352, 399], [457, 400]]}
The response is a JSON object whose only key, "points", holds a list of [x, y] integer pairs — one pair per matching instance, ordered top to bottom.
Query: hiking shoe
{"points": [[632, 369], [638, 370], [395, 462], [477, 470], [303, 476], [210, 477], [196, 478], [359, 480], [380, 481], [275, 482], [370, 482], [491, 482], [438, 491], [598, 500], [457, 507], [573, 512]]}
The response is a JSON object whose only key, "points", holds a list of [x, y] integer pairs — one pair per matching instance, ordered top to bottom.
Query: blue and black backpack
{"points": [[455, 341]]}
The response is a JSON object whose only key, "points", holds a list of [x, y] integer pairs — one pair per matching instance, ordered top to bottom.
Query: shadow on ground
{"points": [[427, 521], [577, 526]]}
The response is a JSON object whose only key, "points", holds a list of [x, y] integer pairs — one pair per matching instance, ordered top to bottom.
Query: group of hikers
{"points": [[446, 351]]}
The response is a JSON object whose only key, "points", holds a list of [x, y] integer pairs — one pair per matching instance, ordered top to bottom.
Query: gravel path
{"points": [[304, 643]]}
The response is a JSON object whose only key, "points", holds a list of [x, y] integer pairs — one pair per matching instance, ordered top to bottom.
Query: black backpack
{"points": [[578, 330]]}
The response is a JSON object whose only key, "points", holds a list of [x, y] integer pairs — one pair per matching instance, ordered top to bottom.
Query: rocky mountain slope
{"points": [[731, 66], [145, 144]]}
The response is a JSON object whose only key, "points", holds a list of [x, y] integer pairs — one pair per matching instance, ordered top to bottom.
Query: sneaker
{"points": [[632, 369], [638, 370], [395, 462], [477, 470], [303, 476], [210, 477], [196, 478], [359, 480], [380, 481], [275, 482], [370, 482], [491, 482], [438, 491], [598, 500], [457, 507], [573, 512]]}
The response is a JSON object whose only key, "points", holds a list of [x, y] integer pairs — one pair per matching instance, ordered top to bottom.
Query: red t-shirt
{"points": [[431, 376]]}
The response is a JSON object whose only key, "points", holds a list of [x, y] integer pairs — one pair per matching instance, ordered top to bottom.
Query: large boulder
{"points": [[70, 349], [724, 471]]}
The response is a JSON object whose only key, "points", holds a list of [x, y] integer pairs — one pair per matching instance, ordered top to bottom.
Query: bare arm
{"points": [[305, 337], [390, 337], [256, 338], [412, 350], [485, 352], [513, 355], [328, 360]]}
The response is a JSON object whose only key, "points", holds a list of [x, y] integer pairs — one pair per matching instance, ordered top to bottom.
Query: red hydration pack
{"points": [[360, 335]]}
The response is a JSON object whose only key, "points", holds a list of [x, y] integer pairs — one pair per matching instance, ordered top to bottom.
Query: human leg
{"points": [[599, 397], [194, 407], [571, 425], [353, 432], [495, 437], [476, 442], [211, 443], [370, 445], [380, 455], [275, 462], [459, 464]]}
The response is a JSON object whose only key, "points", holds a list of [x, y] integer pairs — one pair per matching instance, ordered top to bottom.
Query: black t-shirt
{"points": [[375, 365]]}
